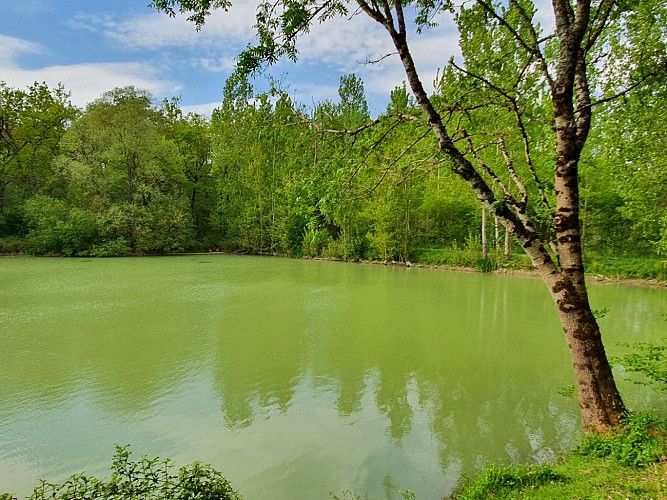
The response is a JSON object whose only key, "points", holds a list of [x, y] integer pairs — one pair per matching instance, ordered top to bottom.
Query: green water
{"points": [[297, 379]]}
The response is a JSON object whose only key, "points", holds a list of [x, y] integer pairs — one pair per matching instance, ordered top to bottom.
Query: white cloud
{"points": [[223, 30], [345, 42], [344, 45], [339, 46], [11, 48], [216, 65], [85, 81], [205, 109]]}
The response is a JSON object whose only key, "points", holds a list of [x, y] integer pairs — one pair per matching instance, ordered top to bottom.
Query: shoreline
{"points": [[525, 271], [528, 272]]}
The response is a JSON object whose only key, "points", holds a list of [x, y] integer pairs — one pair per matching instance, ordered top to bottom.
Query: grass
{"points": [[470, 255], [627, 267], [628, 464], [577, 477]]}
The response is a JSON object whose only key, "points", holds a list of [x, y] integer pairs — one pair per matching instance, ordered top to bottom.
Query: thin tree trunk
{"points": [[507, 244], [485, 246]]}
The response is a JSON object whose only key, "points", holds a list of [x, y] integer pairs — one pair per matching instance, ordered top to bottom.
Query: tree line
{"points": [[265, 174]]}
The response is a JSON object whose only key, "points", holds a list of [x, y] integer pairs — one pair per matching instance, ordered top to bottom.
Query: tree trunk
{"points": [[507, 244], [485, 245], [599, 400]]}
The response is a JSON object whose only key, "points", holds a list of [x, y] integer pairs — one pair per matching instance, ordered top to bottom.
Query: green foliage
{"points": [[32, 122], [263, 176], [161, 227], [57, 228], [314, 241], [13, 245], [113, 248], [468, 255], [486, 265], [638, 267], [649, 360], [569, 391], [640, 441], [143, 479], [497, 482]]}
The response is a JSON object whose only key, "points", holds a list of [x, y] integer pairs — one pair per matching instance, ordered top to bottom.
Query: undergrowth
{"points": [[628, 463], [143, 479]]}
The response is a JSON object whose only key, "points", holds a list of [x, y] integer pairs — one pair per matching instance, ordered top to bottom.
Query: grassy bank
{"points": [[614, 267], [646, 268], [630, 464]]}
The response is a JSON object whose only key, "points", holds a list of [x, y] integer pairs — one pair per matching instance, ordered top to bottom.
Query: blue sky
{"points": [[92, 46]]}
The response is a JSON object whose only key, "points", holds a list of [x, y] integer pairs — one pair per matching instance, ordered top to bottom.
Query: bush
{"points": [[56, 228], [314, 241], [13, 245], [115, 248], [627, 267], [639, 442], [144, 479]]}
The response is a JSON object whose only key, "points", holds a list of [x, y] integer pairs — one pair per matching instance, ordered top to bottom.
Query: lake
{"points": [[295, 378]]}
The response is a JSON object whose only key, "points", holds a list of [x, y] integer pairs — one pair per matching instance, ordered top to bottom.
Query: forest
{"points": [[267, 175]]}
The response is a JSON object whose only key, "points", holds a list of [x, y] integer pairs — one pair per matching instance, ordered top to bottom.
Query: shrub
{"points": [[56, 228], [314, 241], [13, 245], [639, 442], [144, 479]]}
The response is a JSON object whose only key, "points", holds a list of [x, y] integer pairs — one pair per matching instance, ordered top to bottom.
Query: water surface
{"points": [[297, 379]]}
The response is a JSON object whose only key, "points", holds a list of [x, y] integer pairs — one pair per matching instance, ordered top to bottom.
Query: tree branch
{"points": [[602, 15], [535, 50], [621, 93], [397, 159], [529, 159], [489, 171], [513, 175]]}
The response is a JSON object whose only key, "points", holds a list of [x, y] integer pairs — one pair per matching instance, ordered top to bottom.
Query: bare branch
{"points": [[376, 61], [486, 82], [621, 93], [366, 126], [372, 149], [474, 151], [398, 158], [529, 158], [417, 164], [513, 175]]}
